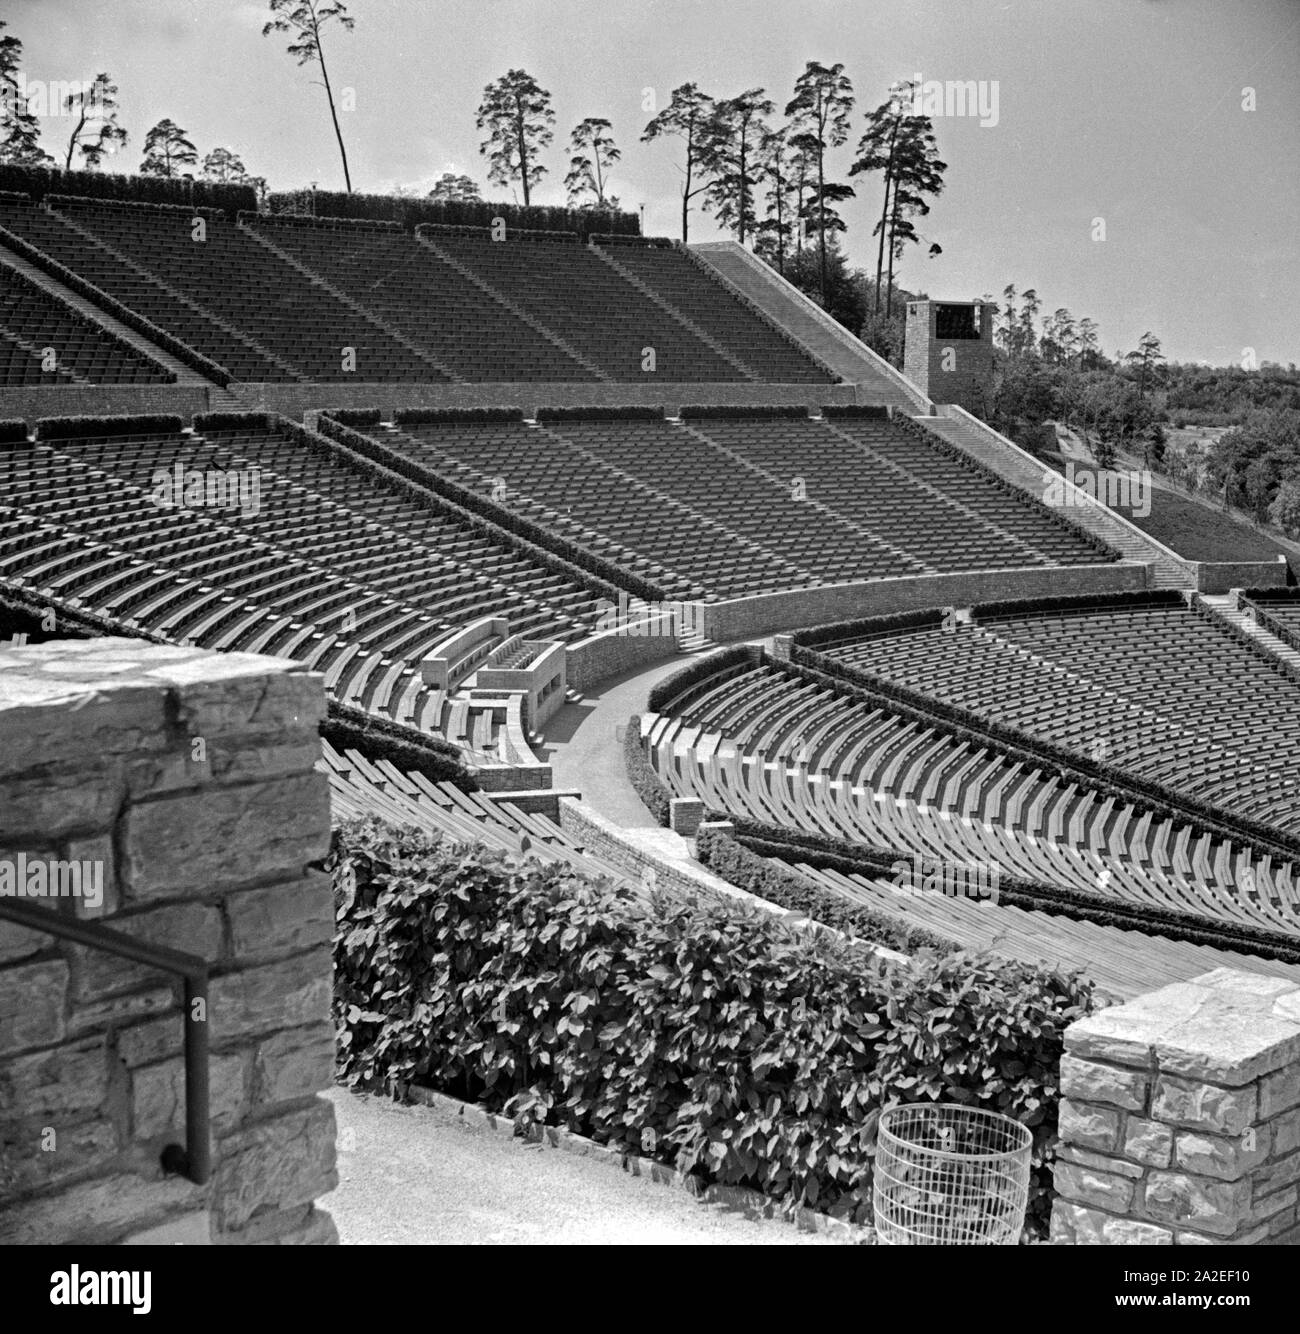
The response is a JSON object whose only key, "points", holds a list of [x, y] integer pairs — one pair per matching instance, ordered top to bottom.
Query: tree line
{"points": [[768, 179]]}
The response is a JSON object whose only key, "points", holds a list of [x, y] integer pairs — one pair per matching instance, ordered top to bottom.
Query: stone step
{"points": [[824, 338], [185, 375], [985, 445]]}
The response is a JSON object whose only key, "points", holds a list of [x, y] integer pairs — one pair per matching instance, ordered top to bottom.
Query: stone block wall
{"points": [[186, 778], [1180, 1117]]}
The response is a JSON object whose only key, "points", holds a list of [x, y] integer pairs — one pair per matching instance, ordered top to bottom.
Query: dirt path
{"points": [[422, 1176]]}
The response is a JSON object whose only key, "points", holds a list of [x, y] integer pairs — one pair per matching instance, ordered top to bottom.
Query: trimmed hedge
{"points": [[38, 182], [74, 202], [410, 213], [320, 224], [536, 235], [647, 242], [76, 283], [855, 410], [754, 412], [596, 413], [450, 416], [355, 417], [231, 421], [73, 428], [13, 430], [387, 465], [1072, 602], [866, 627], [667, 690], [348, 727], [652, 790], [731, 859], [709, 1034]]}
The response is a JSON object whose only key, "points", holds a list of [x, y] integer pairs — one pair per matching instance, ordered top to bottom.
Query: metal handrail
{"points": [[195, 1159]]}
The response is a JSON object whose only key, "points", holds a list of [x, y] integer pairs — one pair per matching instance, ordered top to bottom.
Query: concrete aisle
{"points": [[423, 1176]]}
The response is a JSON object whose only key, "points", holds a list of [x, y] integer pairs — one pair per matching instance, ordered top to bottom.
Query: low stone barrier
{"points": [[182, 785], [1180, 1117]]}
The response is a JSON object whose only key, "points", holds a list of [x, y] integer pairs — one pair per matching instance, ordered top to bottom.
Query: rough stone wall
{"points": [[188, 777], [1180, 1117]]}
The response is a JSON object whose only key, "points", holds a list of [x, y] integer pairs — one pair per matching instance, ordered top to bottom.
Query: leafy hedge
{"points": [[37, 182], [139, 206], [410, 213], [270, 220], [536, 235], [647, 242], [75, 282], [855, 410], [750, 411], [602, 414], [450, 416], [356, 417], [73, 428], [13, 430], [395, 469], [1077, 602], [866, 627], [663, 693], [348, 727], [652, 790], [731, 859], [709, 1034]]}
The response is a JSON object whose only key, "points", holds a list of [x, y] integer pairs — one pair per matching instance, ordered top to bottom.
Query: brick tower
{"points": [[948, 351]]}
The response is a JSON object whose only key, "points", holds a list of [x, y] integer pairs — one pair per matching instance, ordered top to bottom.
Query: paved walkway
{"points": [[581, 742], [422, 1176]]}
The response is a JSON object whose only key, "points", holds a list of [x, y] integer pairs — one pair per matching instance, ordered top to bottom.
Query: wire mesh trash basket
{"points": [[948, 1175]]}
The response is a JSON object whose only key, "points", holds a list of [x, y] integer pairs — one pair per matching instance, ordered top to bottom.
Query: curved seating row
{"points": [[764, 745]]}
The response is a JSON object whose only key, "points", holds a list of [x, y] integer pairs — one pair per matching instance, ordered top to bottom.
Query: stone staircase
{"points": [[177, 295], [344, 299], [783, 305], [516, 310], [688, 324], [185, 375], [1014, 465], [1225, 607]]}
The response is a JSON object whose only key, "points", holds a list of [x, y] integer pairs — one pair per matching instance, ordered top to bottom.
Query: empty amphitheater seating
{"points": [[671, 274], [416, 291], [276, 300], [610, 322], [34, 326], [730, 507], [330, 570], [1160, 690], [760, 743], [359, 787], [1122, 963]]}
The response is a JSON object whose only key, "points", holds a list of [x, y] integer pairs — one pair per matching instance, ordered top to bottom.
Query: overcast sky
{"points": [[1129, 111]]}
